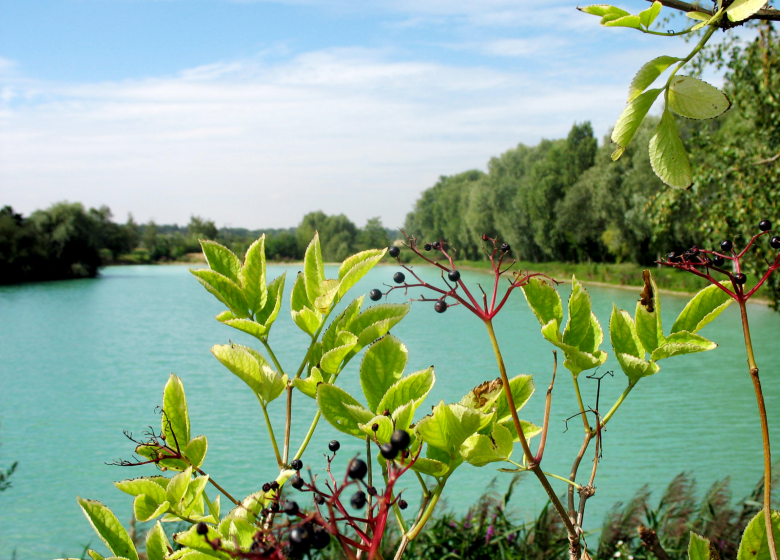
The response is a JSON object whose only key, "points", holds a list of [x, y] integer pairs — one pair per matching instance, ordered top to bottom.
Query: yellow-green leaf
{"points": [[743, 9], [695, 99], [630, 119], [668, 156], [253, 275], [108, 528]]}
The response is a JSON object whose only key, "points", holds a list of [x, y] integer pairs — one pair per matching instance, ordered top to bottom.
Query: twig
{"points": [[766, 14], [773, 159], [546, 423]]}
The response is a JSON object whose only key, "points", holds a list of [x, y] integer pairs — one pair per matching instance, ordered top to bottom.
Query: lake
{"points": [[83, 360]]}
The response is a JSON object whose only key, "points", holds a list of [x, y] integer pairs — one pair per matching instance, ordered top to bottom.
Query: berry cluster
{"points": [[701, 261], [456, 292], [303, 530]]}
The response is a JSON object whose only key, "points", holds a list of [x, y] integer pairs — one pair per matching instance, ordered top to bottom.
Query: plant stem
{"points": [[273, 356], [613, 410], [585, 422], [287, 424], [764, 431], [271, 433], [310, 433], [524, 442], [566, 480], [218, 487], [427, 513]]}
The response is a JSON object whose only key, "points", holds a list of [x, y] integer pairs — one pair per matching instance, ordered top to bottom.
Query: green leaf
{"points": [[742, 9], [602, 10], [699, 16], [647, 17], [611, 20], [649, 73], [696, 99], [630, 119], [668, 156], [222, 260], [356, 267], [314, 269], [253, 275], [225, 290], [330, 292], [544, 300], [273, 303], [703, 308], [303, 313], [376, 321], [341, 323], [578, 323], [648, 323], [245, 325], [622, 333], [593, 338], [680, 343], [331, 360], [577, 361], [383, 365], [249, 366], [636, 368], [309, 385], [414, 387], [522, 388], [484, 396], [341, 410], [403, 415], [175, 418], [449, 426], [385, 428], [529, 430], [479, 450], [195, 451], [431, 467], [138, 486], [177, 487], [193, 497], [214, 506], [146, 508], [108, 528], [243, 532], [190, 538], [754, 541], [157, 544], [698, 548], [94, 555]]}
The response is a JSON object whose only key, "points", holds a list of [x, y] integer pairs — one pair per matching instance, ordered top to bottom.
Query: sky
{"points": [[253, 113]]}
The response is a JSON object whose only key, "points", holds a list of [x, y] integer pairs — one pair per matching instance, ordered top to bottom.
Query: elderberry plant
{"points": [[683, 95]]}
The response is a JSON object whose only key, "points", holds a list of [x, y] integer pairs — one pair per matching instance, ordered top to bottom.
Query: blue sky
{"points": [[253, 113]]}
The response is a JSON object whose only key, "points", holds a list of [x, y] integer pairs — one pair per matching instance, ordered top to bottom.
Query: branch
{"points": [[766, 14], [768, 160], [650, 541]]}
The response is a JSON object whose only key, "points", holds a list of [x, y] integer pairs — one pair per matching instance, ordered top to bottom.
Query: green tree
{"points": [[373, 235]]}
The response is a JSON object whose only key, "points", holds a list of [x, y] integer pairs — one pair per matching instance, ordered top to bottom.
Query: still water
{"points": [[80, 361]]}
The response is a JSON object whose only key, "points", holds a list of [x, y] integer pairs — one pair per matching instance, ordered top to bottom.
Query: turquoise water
{"points": [[82, 360]]}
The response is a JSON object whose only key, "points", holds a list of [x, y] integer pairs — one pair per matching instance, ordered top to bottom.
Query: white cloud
{"points": [[255, 144]]}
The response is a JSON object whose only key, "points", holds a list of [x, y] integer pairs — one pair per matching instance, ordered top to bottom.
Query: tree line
{"points": [[67, 241]]}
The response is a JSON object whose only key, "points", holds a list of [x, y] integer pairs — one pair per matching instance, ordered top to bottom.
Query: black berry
{"points": [[764, 225], [775, 242], [437, 245], [726, 245], [427, 247], [505, 247], [394, 251], [692, 252], [673, 257], [718, 261], [453, 275], [399, 277], [740, 278], [375, 295], [440, 306], [374, 427], [400, 440], [334, 445], [388, 451], [296, 464], [357, 469], [296, 482], [274, 485], [266, 487], [371, 491], [319, 499], [358, 499], [402, 504], [275, 506], [290, 508], [202, 529], [299, 535], [320, 538]]}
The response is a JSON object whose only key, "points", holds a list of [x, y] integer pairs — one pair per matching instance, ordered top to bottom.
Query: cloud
{"points": [[257, 144]]}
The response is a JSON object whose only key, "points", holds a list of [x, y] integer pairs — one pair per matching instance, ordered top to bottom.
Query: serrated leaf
{"points": [[602, 9], [742, 9], [699, 16], [647, 17], [612, 20], [649, 73], [695, 99], [630, 119], [668, 156], [222, 260], [356, 267], [314, 269], [253, 275], [225, 290], [330, 292], [544, 301], [705, 306], [268, 314], [376, 321], [341, 323], [578, 323], [648, 323], [245, 325], [622, 333], [593, 338], [680, 343], [331, 360], [383, 365], [636, 368], [252, 369], [308, 386], [414, 387], [522, 387], [483, 397], [342, 411], [403, 416], [175, 418], [449, 426], [384, 429], [529, 429], [479, 450], [195, 451], [431, 467], [145, 485], [177, 487], [193, 500], [146, 508], [108, 528], [201, 543], [157, 544], [754, 544], [698, 548], [92, 554]]}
